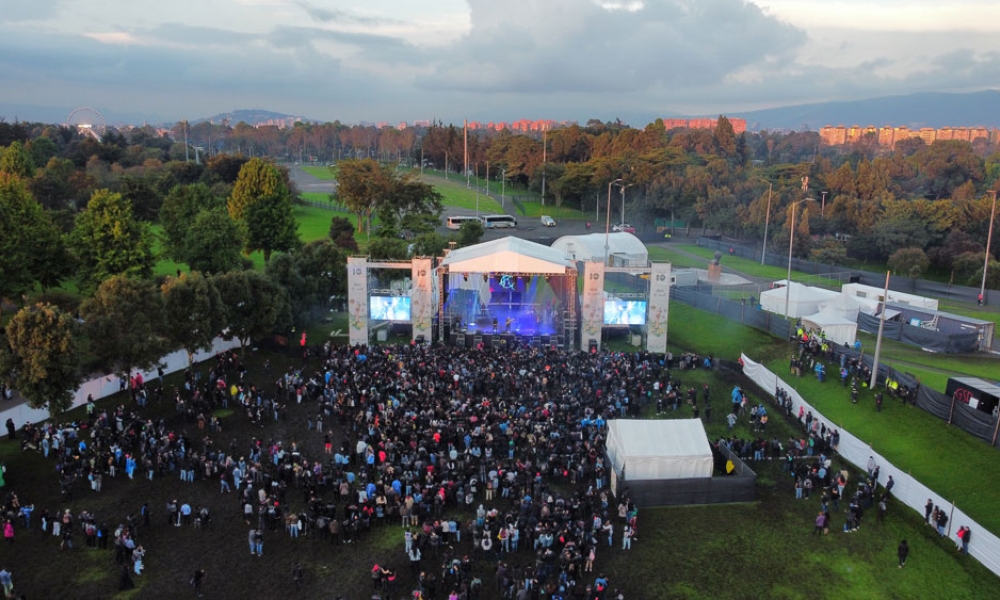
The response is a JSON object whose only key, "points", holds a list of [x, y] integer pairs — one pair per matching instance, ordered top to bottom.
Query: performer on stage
{"points": [[508, 323]]}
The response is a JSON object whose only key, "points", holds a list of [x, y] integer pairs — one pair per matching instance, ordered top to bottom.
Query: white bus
{"points": [[497, 221], [456, 222]]}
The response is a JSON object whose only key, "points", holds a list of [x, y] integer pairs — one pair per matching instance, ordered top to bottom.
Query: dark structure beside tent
{"points": [[977, 393]]}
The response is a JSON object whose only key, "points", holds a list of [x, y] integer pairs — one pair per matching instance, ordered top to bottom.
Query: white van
{"points": [[548, 221]]}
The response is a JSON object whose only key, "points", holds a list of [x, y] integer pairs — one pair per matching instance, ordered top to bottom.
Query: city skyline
{"points": [[483, 61]]}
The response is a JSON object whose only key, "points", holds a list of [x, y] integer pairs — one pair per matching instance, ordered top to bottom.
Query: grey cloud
{"points": [[28, 10], [325, 15], [199, 35], [667, 42]]}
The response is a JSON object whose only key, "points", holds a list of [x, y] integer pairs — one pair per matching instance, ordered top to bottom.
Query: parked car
{"points": [[548, 221], [623, 227]]}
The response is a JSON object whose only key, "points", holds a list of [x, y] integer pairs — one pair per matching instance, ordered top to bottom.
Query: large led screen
{"points": [[389, 308], [624, 312]]}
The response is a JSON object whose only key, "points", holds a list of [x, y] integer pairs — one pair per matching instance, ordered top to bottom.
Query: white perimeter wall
{"points": [[985, 546]]}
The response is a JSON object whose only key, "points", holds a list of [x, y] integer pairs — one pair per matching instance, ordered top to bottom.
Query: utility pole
{"points": [[545, 147], [465, 161], [503, 186], [822, 206], [767, 221], [989, 241], [881, 328]]}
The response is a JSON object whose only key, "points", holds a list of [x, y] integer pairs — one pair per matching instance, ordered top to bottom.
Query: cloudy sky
{"points": [[393, 60]]}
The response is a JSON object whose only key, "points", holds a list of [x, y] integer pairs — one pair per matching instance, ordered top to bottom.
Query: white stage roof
{"points": [[508, 255]]}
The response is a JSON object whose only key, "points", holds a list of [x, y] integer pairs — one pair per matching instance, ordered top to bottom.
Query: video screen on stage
{"points": [[389, 308], [624, 312]]}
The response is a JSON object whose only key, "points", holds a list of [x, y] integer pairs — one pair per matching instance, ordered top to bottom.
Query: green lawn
{"points": [[321, 172], [456, 195], [559, 213], [676, 259], [909, 437]]}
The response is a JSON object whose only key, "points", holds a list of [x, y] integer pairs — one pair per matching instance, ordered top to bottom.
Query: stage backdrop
{"points": [[357, 299], [422, 299], [593, 304], [659, 306]]}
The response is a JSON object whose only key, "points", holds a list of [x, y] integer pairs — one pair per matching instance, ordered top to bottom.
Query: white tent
{"points": [[625, 249], [508, 255], [859, 290], [803, 300], [844, 306], [834, 326], [659, 449]]}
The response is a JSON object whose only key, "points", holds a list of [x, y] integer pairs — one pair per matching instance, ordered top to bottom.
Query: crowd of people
{"points": [[491, 463]]}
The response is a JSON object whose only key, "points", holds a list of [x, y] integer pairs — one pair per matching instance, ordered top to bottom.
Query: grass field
{"points": [[321, 172], [456, 195], [676, 259], [909, 437], [756, 550]]}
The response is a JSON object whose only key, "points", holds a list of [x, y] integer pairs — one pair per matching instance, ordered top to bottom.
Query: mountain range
{"points": [[928, 109]]}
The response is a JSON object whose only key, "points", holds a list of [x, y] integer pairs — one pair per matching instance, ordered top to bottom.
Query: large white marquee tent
{"points": [[659, 449]]}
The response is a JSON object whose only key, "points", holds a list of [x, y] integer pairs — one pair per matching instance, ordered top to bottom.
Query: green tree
{"points": [[725, 137], [16, 160], [361, 187], [141, 192], [262, 201], [180, 207], [340, 226], [470, 233], [108, 240], [29, 241], [213, 243], [429, 244], [388, 249], [830, 252], [909, 262], [253, 304], [193, 313], [122, 321], [41, 347]]}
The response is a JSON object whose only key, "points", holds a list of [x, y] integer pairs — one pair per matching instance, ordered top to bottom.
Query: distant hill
{"points": [[913, 110], [256, 116]]}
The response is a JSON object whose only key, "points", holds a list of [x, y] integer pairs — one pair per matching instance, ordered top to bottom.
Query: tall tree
{"points": [[16, 160], [361, 186], [262, 201], [180, 207], [108, 240], [29, 241], [213, 243], [253, 305], [193, 313], [122, 320], [40, 346]]}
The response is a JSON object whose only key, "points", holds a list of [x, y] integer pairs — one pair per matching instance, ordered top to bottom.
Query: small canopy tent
{"points": [[802, 300], [835, 327], [659, 449]]}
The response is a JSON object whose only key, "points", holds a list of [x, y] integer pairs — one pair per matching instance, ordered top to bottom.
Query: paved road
{"points": [[308, 183]]}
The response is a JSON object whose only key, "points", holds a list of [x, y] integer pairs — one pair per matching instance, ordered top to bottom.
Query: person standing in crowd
{"points": [[928, 509], [964, 537], [902, 552], [196, 581]]}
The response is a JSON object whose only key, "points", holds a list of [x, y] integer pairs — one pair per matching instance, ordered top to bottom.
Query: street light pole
{"points": [[503, 185], [624, 187], [767, 221], [607, 223], [989, 240], [791, 241]]}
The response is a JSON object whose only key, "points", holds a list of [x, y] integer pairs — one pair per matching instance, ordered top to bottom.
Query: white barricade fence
{"points": [[106, 385], [985, 546]]}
